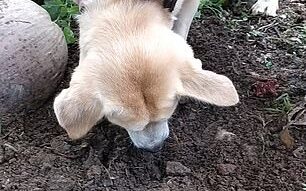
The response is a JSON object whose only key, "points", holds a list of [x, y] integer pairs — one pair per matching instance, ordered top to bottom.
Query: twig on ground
{"points": [[268, 26], [277, 32], [233, 64], [263, 122], [11, 131], [176, 138], [263, 144], [11, 147], [54, 151], [108, 173], [126, 173]]}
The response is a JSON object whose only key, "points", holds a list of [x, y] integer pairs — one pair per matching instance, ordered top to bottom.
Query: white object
{"points": [[267, 7]]}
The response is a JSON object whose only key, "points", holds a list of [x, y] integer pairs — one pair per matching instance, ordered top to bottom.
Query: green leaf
{"points": [[54, 3], [73, 10], [53, 11], [63, 12], [62, 23], [69, 35], [269, 64]]}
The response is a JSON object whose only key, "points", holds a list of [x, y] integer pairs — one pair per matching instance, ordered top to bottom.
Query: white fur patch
{"points": [[267, 7], [152, 136]]}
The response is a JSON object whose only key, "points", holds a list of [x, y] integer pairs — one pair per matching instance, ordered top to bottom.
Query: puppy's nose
{"points": [[155, 149]]}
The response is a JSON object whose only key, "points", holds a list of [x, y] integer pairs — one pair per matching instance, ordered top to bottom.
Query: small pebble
{"points": [[177, 168], [226, 169]]}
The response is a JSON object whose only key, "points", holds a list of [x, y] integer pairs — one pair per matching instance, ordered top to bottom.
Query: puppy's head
{"points": [[137, 86], [140, 98]]}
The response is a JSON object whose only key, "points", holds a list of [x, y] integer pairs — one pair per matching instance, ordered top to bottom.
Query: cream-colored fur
{"points": [[133, 68]]}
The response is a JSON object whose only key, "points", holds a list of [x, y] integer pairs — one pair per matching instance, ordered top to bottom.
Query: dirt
{"points": [[257, 145]]}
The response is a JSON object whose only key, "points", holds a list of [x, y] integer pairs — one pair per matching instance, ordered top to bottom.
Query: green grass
{"points": [[214, 6], [62, 13], [302, 34], [282, 105]]}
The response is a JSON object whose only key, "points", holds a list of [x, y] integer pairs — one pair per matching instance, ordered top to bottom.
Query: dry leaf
{"points": [[286, 138]]}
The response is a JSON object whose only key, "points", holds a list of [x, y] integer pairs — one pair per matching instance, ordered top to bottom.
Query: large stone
{"points": [[33, 55]]}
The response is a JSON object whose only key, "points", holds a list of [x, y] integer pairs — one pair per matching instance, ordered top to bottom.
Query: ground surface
{"points": [[210, 148]]}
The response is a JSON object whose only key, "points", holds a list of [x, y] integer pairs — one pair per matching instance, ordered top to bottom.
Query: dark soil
{"points": [[246, 147]]}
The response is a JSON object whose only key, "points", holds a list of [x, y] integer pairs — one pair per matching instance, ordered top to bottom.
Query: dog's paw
{"points": [[267, 7]]}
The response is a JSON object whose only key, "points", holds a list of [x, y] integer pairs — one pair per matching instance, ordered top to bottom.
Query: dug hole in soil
{"points": [[256, 145]]}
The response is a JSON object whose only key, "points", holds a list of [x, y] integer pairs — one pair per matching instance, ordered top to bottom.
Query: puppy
{"points": [[133, 69]]}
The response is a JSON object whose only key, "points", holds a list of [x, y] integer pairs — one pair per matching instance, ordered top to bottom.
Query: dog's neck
{"points": [[168, 4], [146, 8]]}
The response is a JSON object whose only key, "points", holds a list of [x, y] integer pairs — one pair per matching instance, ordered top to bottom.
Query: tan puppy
{"points": [[133, 69]]}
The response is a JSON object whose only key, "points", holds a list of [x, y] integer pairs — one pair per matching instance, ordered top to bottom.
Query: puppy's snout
{"points": [[152, 137]]}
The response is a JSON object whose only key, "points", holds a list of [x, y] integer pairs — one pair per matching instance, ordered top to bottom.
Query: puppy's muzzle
{"points": [[152, 137]]}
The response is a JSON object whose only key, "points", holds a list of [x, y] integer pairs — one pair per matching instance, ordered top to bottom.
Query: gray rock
{"points": [[33, 55]]}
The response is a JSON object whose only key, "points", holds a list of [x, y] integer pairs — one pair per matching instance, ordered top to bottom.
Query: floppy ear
{"points": [[206, 86], [77, 111]]}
